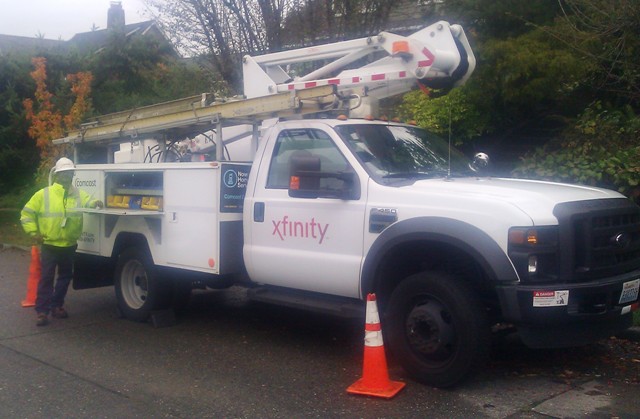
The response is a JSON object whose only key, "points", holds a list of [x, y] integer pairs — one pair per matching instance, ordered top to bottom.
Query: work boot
{"points": [[59, 313], [43, 319]]}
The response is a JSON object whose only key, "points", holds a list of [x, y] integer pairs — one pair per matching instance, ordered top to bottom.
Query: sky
{"points": [[61, 19]]}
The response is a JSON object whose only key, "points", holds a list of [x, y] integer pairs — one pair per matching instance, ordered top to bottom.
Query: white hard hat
{"points": [[64, 164]]}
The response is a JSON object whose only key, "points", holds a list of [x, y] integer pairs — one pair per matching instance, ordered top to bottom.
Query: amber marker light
{"points": [[401, 49], [294, 183], [520, 236]]}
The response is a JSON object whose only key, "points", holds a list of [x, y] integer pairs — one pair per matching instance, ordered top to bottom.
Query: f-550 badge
{"points": [[381, 218]]}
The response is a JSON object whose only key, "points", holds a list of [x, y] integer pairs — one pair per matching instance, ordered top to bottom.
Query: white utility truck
{"points": [[317, 213]]}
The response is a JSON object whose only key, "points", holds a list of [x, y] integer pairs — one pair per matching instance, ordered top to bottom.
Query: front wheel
{"points": [[139, 287], [437, 328]]}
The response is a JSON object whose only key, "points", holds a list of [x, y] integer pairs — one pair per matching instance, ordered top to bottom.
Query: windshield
{"points": [[401, 152]]}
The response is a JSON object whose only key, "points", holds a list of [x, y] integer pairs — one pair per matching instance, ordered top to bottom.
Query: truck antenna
{"points": [[449, 157]]}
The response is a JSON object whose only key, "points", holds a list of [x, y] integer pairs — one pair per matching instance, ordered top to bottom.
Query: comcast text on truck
{"points": [[317, 213]]}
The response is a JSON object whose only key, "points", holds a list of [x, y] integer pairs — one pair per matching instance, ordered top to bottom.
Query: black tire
{"points": [[139, 286], [437, 329]]}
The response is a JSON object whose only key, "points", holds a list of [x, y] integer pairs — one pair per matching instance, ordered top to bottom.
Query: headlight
{"points": [[534, 252]]}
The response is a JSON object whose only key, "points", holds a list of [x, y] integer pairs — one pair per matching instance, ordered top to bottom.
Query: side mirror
{"points": [[480, 163], [306, 180]]}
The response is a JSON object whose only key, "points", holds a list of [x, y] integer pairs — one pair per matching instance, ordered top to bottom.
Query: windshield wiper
{"points": [[410, 175], [418, 175]]}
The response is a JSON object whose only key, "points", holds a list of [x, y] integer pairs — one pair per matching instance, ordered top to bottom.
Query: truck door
{"points": [[314, 244]]}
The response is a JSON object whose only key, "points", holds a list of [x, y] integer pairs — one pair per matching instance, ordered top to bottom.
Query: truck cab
{"points": [[353, 207]]}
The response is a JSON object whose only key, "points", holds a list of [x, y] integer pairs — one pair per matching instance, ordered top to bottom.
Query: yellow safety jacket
{"points": [[53, 213]]}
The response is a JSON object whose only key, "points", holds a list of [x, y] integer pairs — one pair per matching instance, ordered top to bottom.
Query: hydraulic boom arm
{"points": [[438, 55]]}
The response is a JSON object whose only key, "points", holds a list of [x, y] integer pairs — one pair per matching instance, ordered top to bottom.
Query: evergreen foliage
{"points": [[126, 74], [558, 81], [600, 149], [18, 153]]}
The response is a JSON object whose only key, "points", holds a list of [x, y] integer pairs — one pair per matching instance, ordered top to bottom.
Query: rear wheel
{"points": [[139, 286], [437, 328]]}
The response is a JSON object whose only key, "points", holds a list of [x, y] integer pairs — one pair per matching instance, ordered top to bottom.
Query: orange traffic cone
{"points": [[34, 278], [375, 378]]}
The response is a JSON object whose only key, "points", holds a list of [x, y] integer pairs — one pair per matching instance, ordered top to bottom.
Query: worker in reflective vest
{"points": [[52, 219]]}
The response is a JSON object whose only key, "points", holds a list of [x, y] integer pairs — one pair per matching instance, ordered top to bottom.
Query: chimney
{"points": [[115, 17]]}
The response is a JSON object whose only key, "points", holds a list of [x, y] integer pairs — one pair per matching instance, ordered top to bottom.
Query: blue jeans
{"points": [[50, 296]]}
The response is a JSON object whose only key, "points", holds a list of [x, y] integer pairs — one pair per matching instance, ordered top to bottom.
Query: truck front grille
{"points": [[598, 238]]}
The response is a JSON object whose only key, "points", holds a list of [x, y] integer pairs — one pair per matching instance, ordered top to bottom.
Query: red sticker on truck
{"points": [[550, 298]]}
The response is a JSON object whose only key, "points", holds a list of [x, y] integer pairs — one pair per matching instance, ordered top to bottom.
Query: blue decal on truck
{"points": [[233, 187]]}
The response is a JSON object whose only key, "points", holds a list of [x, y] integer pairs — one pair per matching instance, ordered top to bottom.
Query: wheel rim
{"points": [[134, 284], [430, 331]]}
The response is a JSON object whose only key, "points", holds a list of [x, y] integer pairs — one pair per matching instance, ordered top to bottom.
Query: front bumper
{"points": [[568, 314]]}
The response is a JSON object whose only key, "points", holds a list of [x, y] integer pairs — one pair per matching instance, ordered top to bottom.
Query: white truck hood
{"points": [[535, 198]]}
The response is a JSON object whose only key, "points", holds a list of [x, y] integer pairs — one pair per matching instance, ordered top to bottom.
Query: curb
{"points": [[6, 246]]}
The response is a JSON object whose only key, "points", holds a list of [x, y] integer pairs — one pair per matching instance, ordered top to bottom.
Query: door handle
{"points": [[258, 212]]}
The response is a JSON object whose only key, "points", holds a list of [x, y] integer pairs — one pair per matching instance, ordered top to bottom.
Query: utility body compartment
{"points": [[190, 214]]}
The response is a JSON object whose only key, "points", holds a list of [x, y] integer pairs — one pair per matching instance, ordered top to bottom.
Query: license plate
{"points": [[629, 291]]}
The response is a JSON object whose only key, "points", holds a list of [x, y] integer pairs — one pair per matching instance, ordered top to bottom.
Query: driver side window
{"points": [[309, 143]]}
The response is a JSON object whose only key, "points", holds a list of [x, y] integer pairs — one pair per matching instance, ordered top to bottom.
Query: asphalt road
{"points": [[227, 357]]}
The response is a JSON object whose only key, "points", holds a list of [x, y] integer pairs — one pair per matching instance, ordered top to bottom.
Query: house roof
{"points": [[95, 40], [85, 42], [11, 43]]}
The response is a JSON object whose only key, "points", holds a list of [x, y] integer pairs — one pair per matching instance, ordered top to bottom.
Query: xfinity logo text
{"points": [[303, 229]]}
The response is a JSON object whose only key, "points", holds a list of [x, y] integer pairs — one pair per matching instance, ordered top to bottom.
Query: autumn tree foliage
{"points": [[80, 89], [46, 121]]}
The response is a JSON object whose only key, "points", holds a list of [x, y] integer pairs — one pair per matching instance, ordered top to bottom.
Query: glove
{"points": [[36, 239]]}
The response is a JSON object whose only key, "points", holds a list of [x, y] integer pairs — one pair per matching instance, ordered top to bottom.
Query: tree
{"points": [[491, 19], [313, 21], [223, 29], [226, 30], [605, 34], [136, 71], [128, 72], [524, 84], [454, 111], [47, 122], [601, 147], [18, 152]]}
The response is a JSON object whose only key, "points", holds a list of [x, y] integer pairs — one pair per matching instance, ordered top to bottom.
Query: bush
{"points": [[438, 113], [601, 149]]}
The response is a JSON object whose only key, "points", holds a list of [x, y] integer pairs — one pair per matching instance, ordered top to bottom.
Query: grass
{"points": [[10, 205], [10, 229]]}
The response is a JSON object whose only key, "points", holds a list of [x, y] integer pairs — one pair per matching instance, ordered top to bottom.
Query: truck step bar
{"points": [[308, 301]]}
